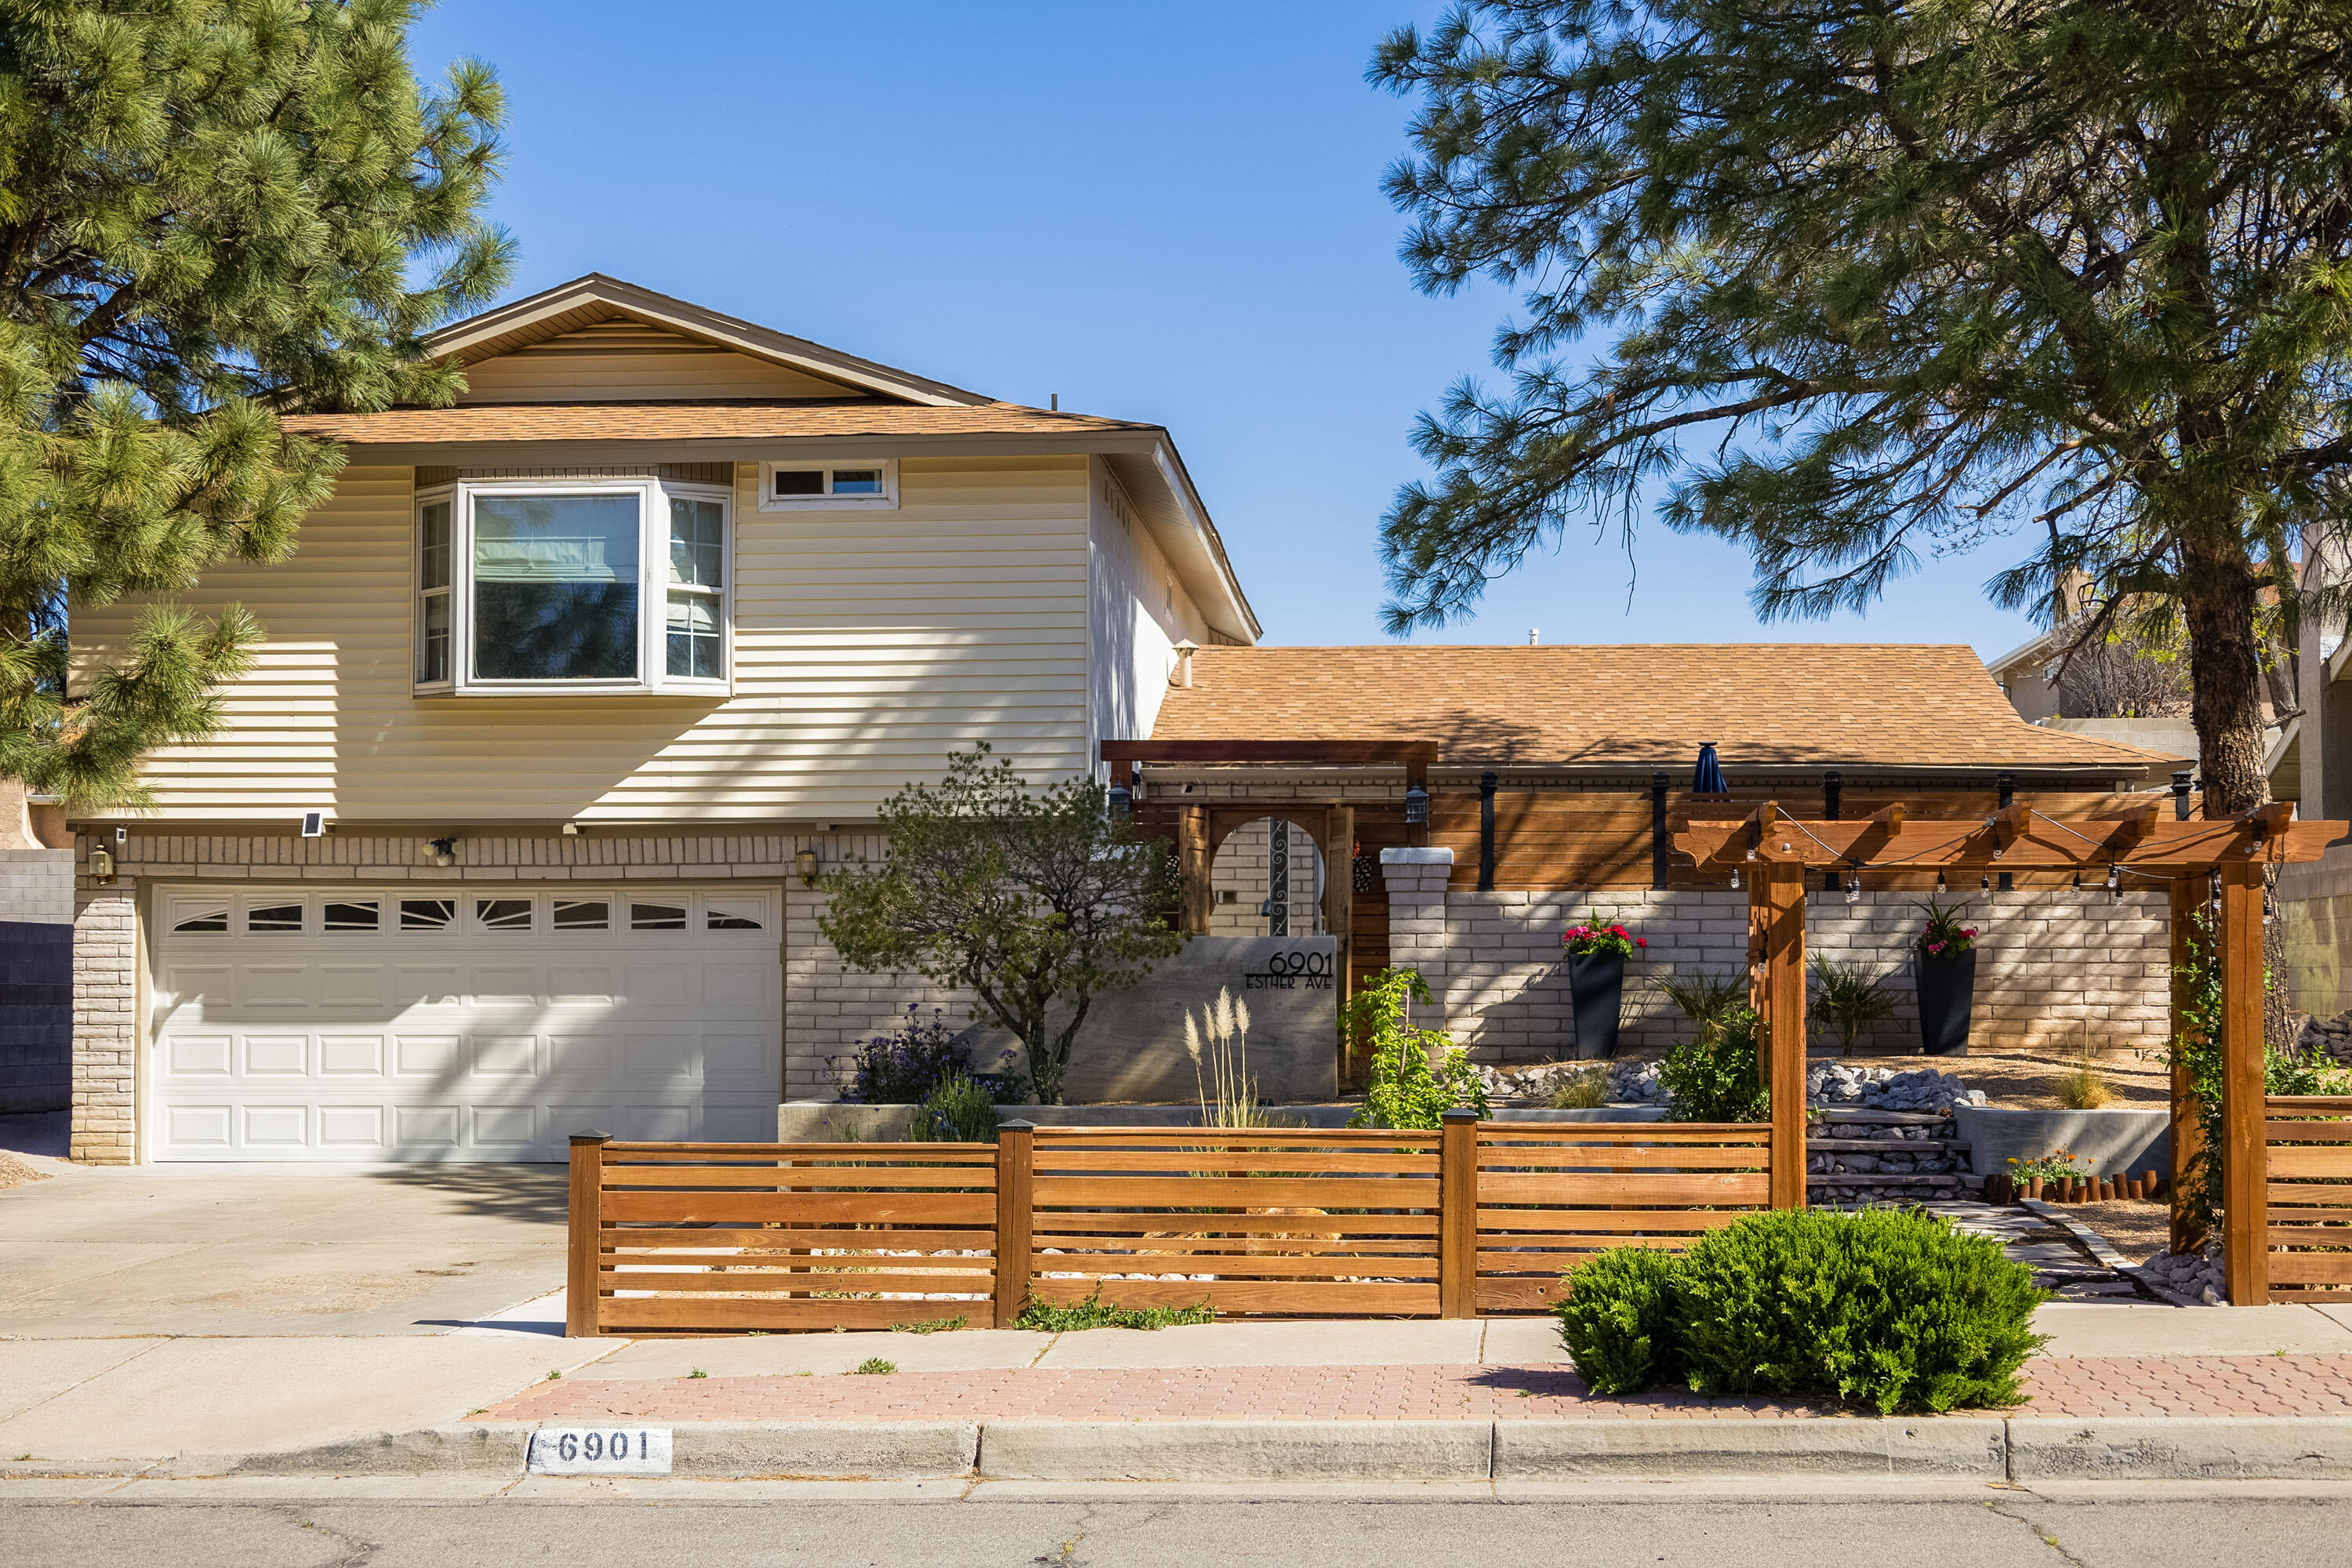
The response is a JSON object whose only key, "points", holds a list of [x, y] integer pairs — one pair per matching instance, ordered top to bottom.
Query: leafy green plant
{"points": [[1035, 902], [1704, 998], [1849, 998], [2198, 1048], [1715, 1076], [1586, 1089], [1405, 1090], [960, 1111], [1891, 1309], [1094, 1312], [1618, 1320], [875, 1366]]}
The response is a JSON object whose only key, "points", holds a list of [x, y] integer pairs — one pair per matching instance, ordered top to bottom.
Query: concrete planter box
{"points": [[831, 1121], [2107, 1143]]}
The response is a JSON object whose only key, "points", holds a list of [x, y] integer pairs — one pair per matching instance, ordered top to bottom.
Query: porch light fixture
{"points": [[1122, 803], [1416, 806], [441, 851], [806, 861], [101, 865]]}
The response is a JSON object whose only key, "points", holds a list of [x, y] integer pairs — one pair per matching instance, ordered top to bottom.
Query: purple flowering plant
{"points": [[903, 1066]]}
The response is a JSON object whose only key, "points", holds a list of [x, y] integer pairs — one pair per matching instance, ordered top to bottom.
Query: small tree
{"points": [[1026, 900]]}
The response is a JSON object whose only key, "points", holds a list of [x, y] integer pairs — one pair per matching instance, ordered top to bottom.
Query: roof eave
{"points": [[696, 320]]}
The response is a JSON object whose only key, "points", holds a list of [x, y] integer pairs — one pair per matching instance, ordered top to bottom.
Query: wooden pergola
{"points": [[2223, 861]]}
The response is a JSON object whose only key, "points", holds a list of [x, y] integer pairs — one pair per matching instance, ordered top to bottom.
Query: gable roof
{"points": [[586, 301], [1903, 706]]}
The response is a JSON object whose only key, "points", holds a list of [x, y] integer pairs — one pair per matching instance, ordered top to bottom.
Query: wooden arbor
{"points": [[1772, 852]]}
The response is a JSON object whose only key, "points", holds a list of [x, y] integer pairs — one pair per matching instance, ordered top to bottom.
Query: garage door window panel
{"points": [[427, 914], [503, 914], [365, 915], [583, 915], [199, 916], [657, 917], [274, 919]]}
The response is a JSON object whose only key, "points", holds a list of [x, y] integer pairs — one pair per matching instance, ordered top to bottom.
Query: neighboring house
{"points": [[2027, 676], [566, 690]]}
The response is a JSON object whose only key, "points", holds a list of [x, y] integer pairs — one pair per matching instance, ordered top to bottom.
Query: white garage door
{"points": [[456, 1024]]}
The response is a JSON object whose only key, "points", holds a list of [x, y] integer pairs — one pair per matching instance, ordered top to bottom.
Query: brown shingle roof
{"points": [[690, 421], [1888, 705]]}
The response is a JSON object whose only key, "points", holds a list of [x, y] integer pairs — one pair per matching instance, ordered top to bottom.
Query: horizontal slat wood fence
{"points": [[2308, 1146], [1551, 1195], [706, 1238]]}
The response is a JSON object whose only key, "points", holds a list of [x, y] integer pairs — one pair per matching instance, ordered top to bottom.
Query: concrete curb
{"points": [[2020, 1448]]}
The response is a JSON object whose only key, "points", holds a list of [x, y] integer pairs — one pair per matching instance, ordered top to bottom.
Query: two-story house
{"points": [[567, 692]]}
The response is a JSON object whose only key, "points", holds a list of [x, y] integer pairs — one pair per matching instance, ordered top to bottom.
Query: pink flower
{"points": [[1935, 947]]}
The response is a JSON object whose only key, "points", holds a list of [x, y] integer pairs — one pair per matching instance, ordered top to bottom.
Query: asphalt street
{"points": [[2279, 1525]]}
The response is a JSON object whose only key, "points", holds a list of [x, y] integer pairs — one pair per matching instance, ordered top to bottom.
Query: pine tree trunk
{"points": [[2218, 604]]}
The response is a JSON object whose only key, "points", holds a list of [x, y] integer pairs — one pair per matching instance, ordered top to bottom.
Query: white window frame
{"points": [[886, 502], [652, 674]]}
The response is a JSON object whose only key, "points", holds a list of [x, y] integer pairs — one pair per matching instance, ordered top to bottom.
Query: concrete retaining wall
{"points": [[2114, 1142]]}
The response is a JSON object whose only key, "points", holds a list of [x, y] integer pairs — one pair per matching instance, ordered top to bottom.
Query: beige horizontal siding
{"points": [[628, 362], [868, 646]]}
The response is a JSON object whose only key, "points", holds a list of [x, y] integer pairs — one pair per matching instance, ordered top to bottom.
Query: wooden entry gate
{"points": [[709, 1238]]}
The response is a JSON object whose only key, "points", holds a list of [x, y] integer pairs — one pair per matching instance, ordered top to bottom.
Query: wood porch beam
{"points": [[1394, 754], [2137, 842]]}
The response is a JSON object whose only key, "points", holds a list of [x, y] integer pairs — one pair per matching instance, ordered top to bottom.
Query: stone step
{"points": [[1856, 1113], [1888, 1145], [1882, 1179]]}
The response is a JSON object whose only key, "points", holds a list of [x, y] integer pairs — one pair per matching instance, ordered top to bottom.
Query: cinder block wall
{"points": [[1244, 866], [2054, 960]]}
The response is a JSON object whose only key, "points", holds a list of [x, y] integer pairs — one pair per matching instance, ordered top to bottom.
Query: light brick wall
{"points": [[1244, 866], [37, 886], [2054, 960], [105, 1023]]}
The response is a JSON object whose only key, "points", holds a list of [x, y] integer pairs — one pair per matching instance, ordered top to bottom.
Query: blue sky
{"points": [[1160, 213]]}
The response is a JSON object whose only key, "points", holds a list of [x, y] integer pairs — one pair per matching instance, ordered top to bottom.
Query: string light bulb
{"points": [[1735, 879], [2116, 881], [1939, 883], [1853, 887]]}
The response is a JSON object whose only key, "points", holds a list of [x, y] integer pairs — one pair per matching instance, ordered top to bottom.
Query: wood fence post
{"points": [[1776, 913], [2187, 1129], [1016, 1144], [2245, 1206], [1457, 1215], [585, 1254]]}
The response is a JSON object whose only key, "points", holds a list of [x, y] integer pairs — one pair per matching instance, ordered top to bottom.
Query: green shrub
{"points": [[1849, 998], [1716, 1077], [1585, 1089], [1404, 1091], [960, 1111], [1886, 1308], [1094, 1312], [1618, 1320]]}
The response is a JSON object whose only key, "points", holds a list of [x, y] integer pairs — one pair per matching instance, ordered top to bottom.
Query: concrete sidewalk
{"points": [[206, 1405]]}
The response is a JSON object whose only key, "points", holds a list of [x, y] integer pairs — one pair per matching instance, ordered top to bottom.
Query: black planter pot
{"points": [[1596, 983], [1946, 986]]}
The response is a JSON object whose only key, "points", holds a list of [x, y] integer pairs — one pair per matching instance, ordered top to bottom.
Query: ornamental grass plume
{"points": [[1221, 1071]]}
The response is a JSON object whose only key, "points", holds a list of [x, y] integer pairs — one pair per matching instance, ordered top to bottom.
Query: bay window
{"points": [[572, 585]]}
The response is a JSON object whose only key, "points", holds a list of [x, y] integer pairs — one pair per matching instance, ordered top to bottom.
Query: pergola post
{"points": [[1193, 868], [1339, 888], [1775, 989], [2187, 1129], [2245, 1206]]}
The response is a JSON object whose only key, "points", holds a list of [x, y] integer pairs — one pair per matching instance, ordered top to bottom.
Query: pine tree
{"points": [[212, 212], [1895, 279]]}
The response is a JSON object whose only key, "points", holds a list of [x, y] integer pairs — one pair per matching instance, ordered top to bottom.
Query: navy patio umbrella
{"points": [[1707, 777]]}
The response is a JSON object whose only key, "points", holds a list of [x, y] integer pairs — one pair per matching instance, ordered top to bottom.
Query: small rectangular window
{"points": [[795, 487], [698, 551], [433, 591], [427, 914], [503, 914], [583, 914], [734, 914], [193, 915], [365, 915], [657, 917], [275, 918]]}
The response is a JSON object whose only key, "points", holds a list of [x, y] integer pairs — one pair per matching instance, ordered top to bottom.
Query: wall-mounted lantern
{"points": [[1416, 806], [809, 867]]}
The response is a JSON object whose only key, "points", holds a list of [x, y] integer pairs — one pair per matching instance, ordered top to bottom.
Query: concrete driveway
{"points": [[271, 1250]]}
